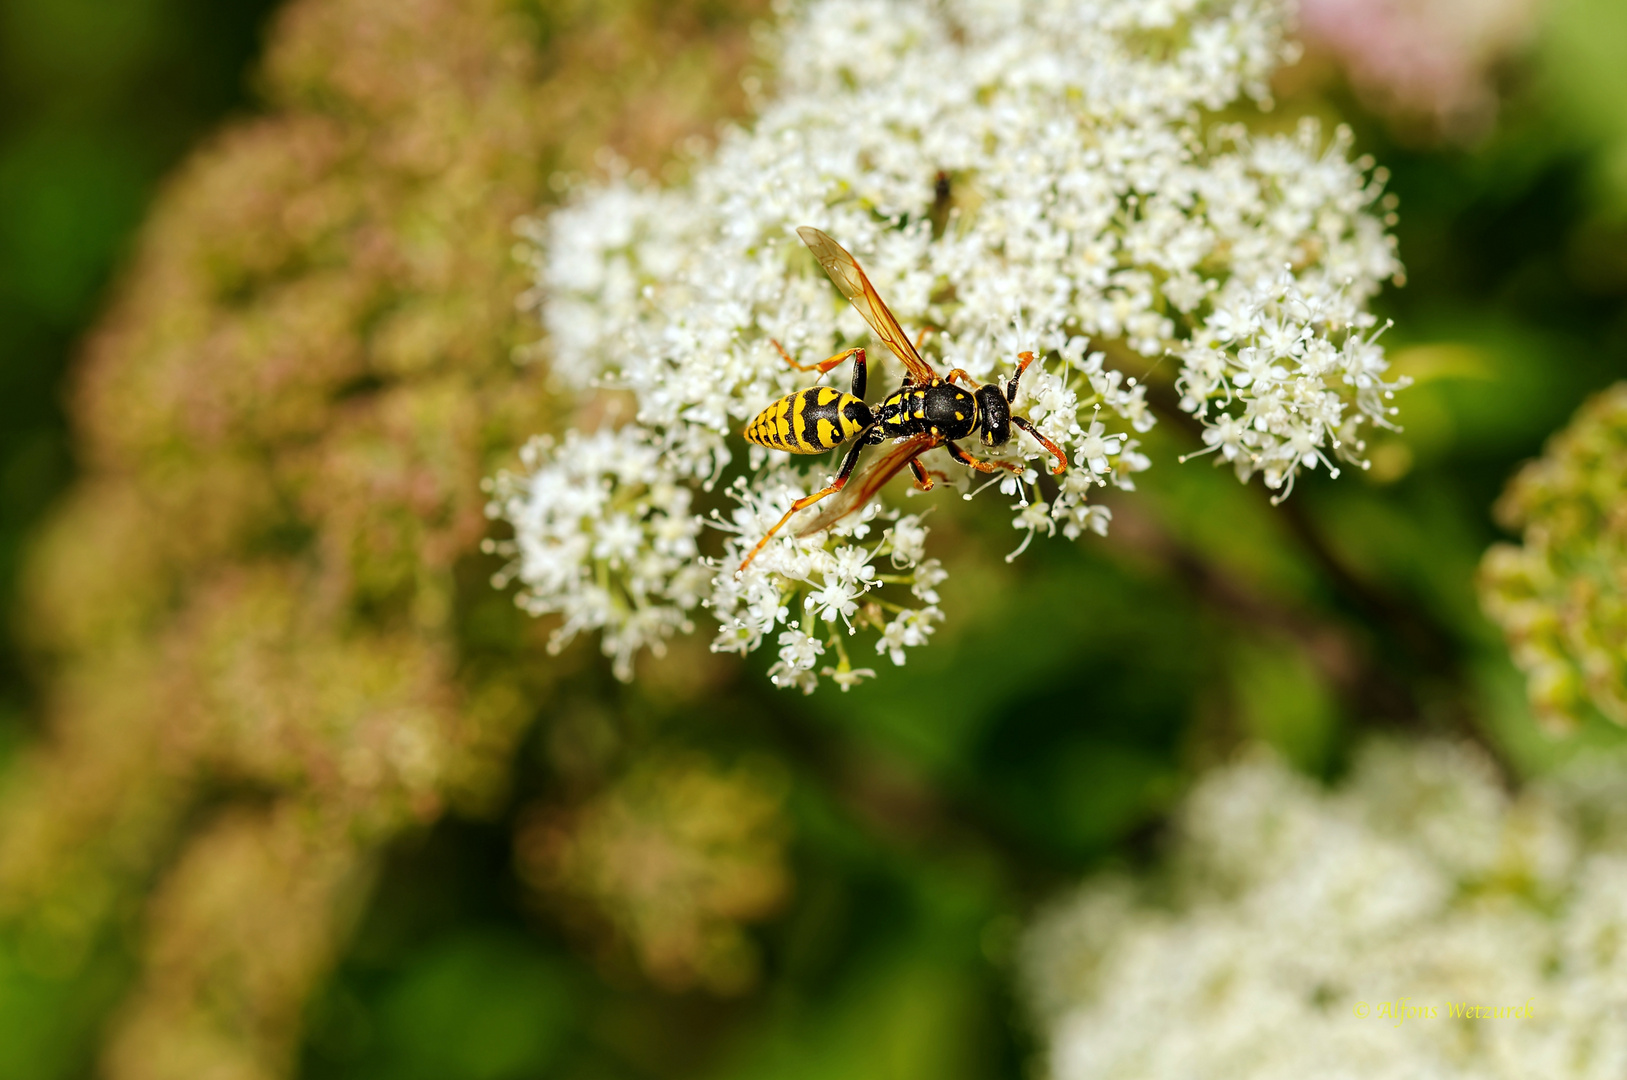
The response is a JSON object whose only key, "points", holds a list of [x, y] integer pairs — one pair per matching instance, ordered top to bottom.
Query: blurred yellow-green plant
{"points": [[1561, 596], [249, 601], [675, 856]]}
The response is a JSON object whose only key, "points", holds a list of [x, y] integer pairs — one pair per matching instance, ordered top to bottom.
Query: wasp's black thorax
{"points": [[932, 408]]}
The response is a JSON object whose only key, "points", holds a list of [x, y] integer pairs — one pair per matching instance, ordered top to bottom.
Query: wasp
{"points": [[924, 413]]}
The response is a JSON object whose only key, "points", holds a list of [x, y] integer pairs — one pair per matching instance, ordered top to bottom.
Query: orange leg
{"points": [[925, 330], [1023, 360], [823, 365], [960, 373], [1050, 447], [981, 466], [924, 475], [806, 501], [801, 504]]}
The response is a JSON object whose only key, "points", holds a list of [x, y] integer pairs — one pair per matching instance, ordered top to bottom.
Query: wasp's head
{"points": [[993, 415]]}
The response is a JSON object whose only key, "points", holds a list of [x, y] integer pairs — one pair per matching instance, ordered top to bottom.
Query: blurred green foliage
{"points": [[97, 101], [931, 808]]}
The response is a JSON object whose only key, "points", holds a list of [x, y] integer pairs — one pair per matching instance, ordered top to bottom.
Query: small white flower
{"points": [[1095, 449], [1035, 517], [617, 540], [908, 540], [851, 566], [929, 574], [835, 600], [910, 629], [737, 637], [799, 649], [799, 652], [847, 679]]}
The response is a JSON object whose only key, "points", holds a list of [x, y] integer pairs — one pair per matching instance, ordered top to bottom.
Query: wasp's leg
{"points": [[925, 330], [1023, 360], [828, 363], [960, 373], [1050, 447], [981, 466], [926, 475], [806, 501]]}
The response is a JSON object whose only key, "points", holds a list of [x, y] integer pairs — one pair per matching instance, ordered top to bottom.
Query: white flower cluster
{"points": [[1014, 175], [1283, 362], [603, 535], [840, 584], [1416, 923]]}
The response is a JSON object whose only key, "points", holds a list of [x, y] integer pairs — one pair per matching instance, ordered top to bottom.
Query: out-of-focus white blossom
{"points": [[1089, 201], [1303, 933]]}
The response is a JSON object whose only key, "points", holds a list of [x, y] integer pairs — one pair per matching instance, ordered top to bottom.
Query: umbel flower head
{"points": [[1025, 176], [1417, 921]]}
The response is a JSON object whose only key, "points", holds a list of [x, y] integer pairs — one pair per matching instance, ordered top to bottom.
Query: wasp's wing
{"points": [[844, 270], [864, 486]]}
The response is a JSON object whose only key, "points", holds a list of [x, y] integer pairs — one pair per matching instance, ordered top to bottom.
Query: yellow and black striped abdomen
{"points": [[809, 421]]}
